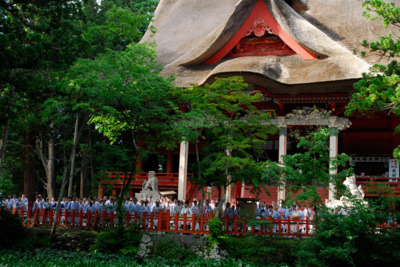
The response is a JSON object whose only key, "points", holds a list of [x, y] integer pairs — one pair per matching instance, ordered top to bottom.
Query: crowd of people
{"points": [[132, 205], [174, 207]]}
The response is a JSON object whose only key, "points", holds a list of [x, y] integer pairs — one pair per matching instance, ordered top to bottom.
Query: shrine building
{"points": [[298, 54]]}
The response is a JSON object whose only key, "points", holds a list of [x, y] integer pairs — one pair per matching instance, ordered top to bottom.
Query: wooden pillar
{"points": [[333, 151], [282, 152], [170, 163], [139, 164], [183, 165], [228, 189], [100, 192], [114, 192], [209, 193], [228, 193]]}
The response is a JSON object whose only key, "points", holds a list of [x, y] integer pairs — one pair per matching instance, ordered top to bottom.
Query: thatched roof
{"points": [[191, 31]]}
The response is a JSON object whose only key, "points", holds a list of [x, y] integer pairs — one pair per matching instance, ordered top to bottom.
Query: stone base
{"points": [[154, 195]]}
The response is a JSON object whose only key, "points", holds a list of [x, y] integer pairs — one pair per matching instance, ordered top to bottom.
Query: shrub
{"points": [[215, 225], [11, 228], [33, 240], [352, 240], [108, 241], [114, 241], [131, 242], [171, 250], [261, 250], [50, 257]]}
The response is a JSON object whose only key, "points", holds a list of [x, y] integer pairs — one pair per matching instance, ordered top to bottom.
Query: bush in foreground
{"points": [[11, 228], [352, 240], [114, 241], [60, 258]]}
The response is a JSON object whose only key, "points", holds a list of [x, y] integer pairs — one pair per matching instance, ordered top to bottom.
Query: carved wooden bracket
{"points": [[260, 27], [312, 116]]}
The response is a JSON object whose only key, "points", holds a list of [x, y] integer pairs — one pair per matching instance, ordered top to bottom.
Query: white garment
{"points": [[188, 212]]}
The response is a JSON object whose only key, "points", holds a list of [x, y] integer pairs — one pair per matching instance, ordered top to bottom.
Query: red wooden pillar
{"points": [[139, 163], [170, 163], [238, 191], [100, 192], [114, 192], [131, 194], [22, 212], [35, 217], [96, 217], [80, 218], [128, 218], [136, 218], [88, 219], [112, 220], [151, 220], [159, 220], [176, 222]]}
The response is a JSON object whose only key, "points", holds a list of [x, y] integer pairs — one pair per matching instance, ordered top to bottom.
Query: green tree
{"points": [[114, 24], [36, 38], [39, 41], [380, 88], [129, 97], [224, 115], [304, 172]]}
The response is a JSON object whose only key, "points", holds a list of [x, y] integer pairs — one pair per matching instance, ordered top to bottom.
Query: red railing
{"points": [[164, 222]]}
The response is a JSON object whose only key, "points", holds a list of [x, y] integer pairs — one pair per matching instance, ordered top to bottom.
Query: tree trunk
{"points": [[4, 138], [73, 155], [48, 163], [85, 163], [29, 167], [67, 168], [199, 172], [84, 175], [51, 176], [228, 179], [127, 181], [93, 186], [220, 203]]}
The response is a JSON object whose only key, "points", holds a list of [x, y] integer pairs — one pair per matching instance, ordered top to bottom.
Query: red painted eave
{"points": [[260, 12]]}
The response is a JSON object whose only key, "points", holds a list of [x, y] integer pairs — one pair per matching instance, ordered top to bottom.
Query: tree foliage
{"points": [[115, 24], [40, 40], [379, 89], [127, 91], [129, 96], [224, 114], [304, 172], [354, 239]]}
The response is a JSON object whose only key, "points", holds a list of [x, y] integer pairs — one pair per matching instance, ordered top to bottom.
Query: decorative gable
{"points": [[260, 35]]}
